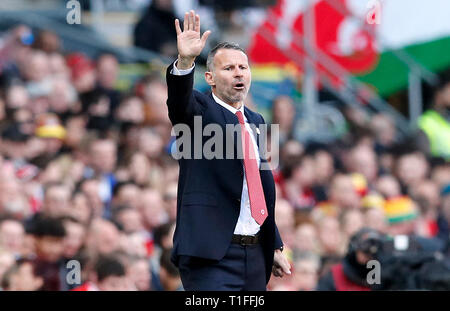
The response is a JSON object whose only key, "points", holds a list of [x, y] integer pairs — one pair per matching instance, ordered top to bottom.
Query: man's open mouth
{"points": [[239, 86]]}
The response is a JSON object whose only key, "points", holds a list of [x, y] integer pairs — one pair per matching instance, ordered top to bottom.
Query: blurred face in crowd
{"points": [[48, 41], [58, 67], [37, 68], [107, 70], [230, 76], [85, 80], [62, 96], [17, 97], [155, 97], [131, 110], [283, 112], [384, 129], [75, 131], [150, 143], [292, 148], [103, 156], [362, 159], [324, 167], [139, 168], [412, 168], [304, 173], [440, 175], [388, 186], [91, 189], [343, 192], [427, 194], [128, 195], [12, 199], [57, 200], [151, 207], [80, 208], [284, 217], [376, 219], [131, 220], [352, 221], [330, 235], [12, 236], [103, 237], [305, 238], [74, 239], [134, 244], [49, 248], [139, 273], [306, 274], [24, 279], [114, 283]]}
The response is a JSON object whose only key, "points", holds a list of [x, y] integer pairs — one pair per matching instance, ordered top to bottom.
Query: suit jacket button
{"points": [[238, 199]]}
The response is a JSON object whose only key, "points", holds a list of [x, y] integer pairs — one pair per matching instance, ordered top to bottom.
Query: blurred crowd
{"points": [[86, 174]]}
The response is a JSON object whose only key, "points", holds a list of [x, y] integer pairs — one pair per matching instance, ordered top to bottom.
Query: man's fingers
{"points": [[191, 20], [186, 21], [197, 23], [177, 27], [205, 36], [286, 267], [278, 272]]}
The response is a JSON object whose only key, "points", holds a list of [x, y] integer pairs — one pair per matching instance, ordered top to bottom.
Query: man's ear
{"points": [[209, 78]]}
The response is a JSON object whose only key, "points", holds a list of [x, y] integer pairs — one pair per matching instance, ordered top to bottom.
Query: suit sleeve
{"points": [[181, 103], [278, 241]]}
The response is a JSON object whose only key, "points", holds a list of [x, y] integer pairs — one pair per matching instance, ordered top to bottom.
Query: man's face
{"points": [[230, 77], [103, 156], [57, 200], [12, 236], [49, 248], [25, 280], [114, 283]]}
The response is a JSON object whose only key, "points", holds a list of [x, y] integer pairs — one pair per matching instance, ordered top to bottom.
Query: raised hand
{"points": [[189, 42]]}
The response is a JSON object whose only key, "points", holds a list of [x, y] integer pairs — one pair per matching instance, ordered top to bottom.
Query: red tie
{"points": [[255, 190]]}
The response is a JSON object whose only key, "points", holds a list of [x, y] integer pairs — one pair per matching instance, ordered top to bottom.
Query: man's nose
{"points": [[238, 72]]}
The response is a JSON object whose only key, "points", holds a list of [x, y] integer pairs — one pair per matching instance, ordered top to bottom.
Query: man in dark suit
{"points": [[226, 237]]}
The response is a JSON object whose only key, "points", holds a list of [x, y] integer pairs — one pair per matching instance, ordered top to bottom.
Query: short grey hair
{"points": [[222, 45]]}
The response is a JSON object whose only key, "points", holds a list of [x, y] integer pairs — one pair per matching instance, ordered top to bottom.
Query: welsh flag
{"points": [[338, 35], [362, 36]]}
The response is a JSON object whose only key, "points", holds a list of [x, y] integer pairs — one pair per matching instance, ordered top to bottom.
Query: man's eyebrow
{"points": [[233, 64]]}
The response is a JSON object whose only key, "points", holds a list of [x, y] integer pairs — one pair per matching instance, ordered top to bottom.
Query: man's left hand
{"points": [[281, 265]]}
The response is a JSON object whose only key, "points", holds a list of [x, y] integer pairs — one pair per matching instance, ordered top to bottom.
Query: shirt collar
{"points": [[229, 107]]}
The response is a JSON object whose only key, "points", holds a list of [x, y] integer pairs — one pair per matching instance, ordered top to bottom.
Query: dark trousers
{"points": [[242, 268]]}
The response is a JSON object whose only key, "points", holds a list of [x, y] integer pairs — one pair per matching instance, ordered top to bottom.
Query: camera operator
{"points": [[351, 273]]}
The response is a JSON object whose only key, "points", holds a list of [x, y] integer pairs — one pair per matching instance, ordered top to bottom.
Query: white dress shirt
{"points": [[246, 224]]}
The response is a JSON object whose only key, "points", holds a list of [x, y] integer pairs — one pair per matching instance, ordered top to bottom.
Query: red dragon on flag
{"points": [[338, 34]]}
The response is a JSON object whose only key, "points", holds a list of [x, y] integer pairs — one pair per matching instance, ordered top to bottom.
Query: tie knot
{"points": [[240, 117]]}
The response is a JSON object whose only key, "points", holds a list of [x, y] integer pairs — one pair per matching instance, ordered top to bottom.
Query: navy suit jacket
{"points": [[209, 191]]}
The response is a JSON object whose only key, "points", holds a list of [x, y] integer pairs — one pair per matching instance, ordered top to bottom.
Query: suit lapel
{"points": [[231, 118], [253, 124]]}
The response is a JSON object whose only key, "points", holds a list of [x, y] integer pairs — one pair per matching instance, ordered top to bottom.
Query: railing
{"points": [[352, 91]]}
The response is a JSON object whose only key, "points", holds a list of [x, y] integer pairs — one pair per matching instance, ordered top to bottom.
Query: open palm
{"points": [[190, 43]]}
